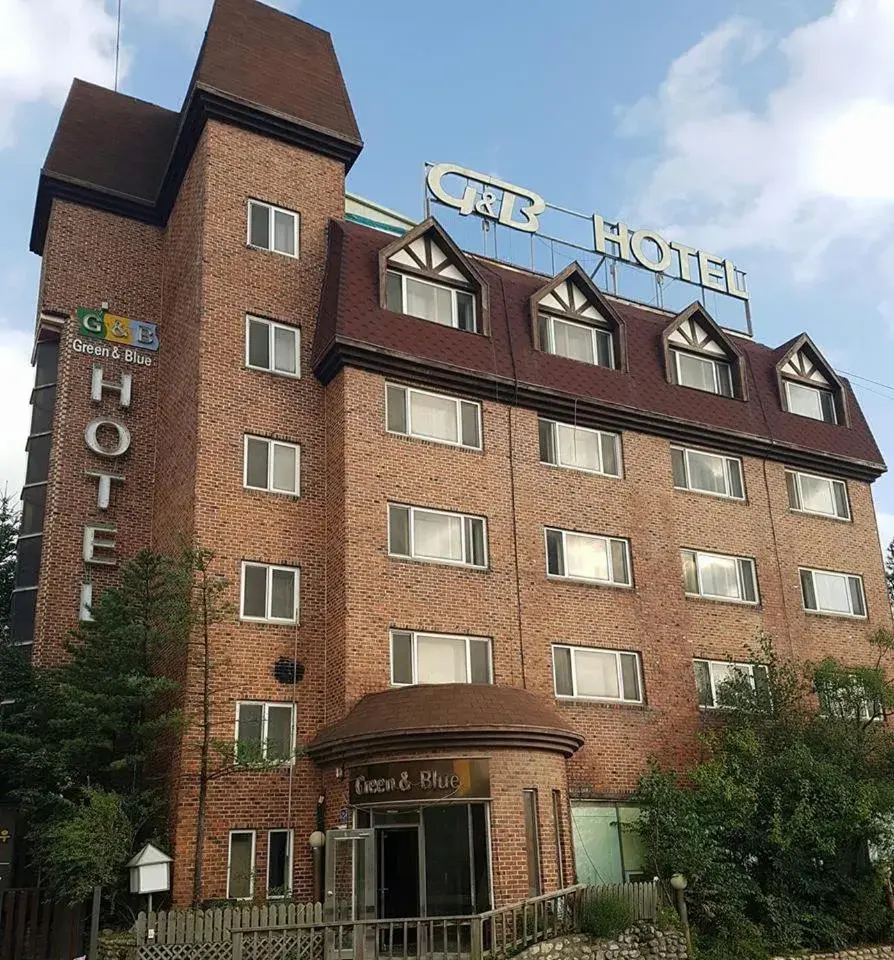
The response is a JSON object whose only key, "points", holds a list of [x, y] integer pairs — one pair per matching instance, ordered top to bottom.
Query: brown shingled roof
{"points": [[354, 328], [446, 715]]}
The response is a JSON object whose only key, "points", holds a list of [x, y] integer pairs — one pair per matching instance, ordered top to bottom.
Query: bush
{"points": [[605, 915]]}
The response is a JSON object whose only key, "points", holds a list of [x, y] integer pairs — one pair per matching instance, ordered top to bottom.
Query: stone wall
{"points": [[643, 941], [853, 953]]}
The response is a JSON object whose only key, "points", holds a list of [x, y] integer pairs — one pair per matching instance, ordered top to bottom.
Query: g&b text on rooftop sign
{"points": [[520, 209]]}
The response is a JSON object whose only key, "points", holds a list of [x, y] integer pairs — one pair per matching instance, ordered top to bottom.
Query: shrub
{"points": [[605, 914]]}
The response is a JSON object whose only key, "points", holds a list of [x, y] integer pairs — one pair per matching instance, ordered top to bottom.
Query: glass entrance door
{"points": [[399, 873], [350, 893]]}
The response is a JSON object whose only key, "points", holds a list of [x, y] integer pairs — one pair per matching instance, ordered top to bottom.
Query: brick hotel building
{"points": [[511, 529]]}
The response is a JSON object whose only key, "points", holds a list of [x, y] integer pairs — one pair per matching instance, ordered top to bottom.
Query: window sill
{"points": [[279, 253], [275, 373], [707, 393], [806, 416], [437, 443], [583, 470], [281, 494], [743, 501], [820, 516], [467, 567], [580, 582], [748, 604], [836, 616], [269, 623], [610, 704]]}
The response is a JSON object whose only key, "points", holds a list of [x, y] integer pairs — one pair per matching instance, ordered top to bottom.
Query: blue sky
{"points": [[759, 131]]}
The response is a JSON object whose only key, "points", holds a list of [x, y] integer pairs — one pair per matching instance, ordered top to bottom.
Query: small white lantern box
{"points": [[150, 871]]}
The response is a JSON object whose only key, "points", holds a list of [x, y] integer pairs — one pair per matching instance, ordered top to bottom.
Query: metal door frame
{"points": [[363, 940]]}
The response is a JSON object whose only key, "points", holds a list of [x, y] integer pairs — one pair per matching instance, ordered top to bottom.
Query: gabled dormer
{"points": [[424, 274], [571, 318], [700, 355], [808, 386]]}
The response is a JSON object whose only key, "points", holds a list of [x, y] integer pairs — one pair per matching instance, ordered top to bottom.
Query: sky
{"points": [[762, 131]]}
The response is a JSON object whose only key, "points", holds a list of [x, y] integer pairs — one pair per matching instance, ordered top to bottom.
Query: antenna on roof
{"points": [[117, 45]]}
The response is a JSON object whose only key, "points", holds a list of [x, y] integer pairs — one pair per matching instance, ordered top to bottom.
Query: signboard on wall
{"points": [[99, 324], [426, 780]]}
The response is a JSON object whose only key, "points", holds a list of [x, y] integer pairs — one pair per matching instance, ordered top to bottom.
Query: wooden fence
{"points": [[33, 927]]}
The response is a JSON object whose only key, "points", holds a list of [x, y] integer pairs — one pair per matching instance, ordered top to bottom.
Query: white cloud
{"points": [[194, 12], [43, 45], [800, 168], [16, 381], [885, 528]]}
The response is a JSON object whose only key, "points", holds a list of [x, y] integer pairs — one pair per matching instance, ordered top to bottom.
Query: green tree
{"points": [[9, 532], [889, 570], [774, 825]]}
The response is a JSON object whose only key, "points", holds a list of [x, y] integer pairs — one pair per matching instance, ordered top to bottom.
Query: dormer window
{"points": [[424, 274], [448, 306], [572, 319], [701, 356], [808, 385]]}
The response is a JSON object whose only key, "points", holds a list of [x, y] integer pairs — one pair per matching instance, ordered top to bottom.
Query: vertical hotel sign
{"points": [[104, 335]]}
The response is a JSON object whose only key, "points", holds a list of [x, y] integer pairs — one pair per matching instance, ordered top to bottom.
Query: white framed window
{"points": [[272, 228], [437, 302], [577, 341], [274, 347], [702, 373], [808, 401], [432, 416], [580, 448], [271, 465], [710, 473], [809, 493], [437, 535], [586, 556], [719, 577], [269, 593], [840, 594], [439, 658], [590, 674], [711, 676], [849, 702], [265, 732], [280, 844], [241, 865]]}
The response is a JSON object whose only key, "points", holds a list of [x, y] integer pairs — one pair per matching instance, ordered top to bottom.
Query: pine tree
{"points": [[889, 570]]}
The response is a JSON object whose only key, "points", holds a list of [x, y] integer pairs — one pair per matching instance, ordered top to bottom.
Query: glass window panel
{"points": [[259, 230], [284, 232], [394, 292], [421, 300], [444, 306], [465, 311], [546, 333], [573, 340], [259, 344], [604, 348], [285, 350], [46, 359], [696, 372], [724, 378], [804, 400], [43, 401], [827, 402], [396, 408], [432, 416], [546, 431], [471, 434], [578, 447], [257, 452], [610, 454], [678, 462], [37, 467], [285, 468], [706, 472], [791, 483], [736, 487], [816, 494], [33, 504], [841, 505], [399, 530], [437, 535], [475, 541], [555, 554], [586, 557], [620, 571], [690, 571], [746, 573], [718, 576], [807, 590], [856, 590], [254, 591], [832, 592], [282, 599], [401, 657], [440, 659], [479, 661], [562, 671], [597, 674], [723, 674], [630, 676], [703, 683], [249, 730], [279, 732], [448, 869], [279, 871], [239, 886]]}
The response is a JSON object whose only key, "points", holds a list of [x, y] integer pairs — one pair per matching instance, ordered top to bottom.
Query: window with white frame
{"points": [[272, 228], [437, 302], [577, 341], [272, 346], [702, 372], [808, 401], [432, 416], [580, 448], [272, 465], [705, 472], [809, 493], [437, 535], [585, 556], [719, 577], [269, 593], [837, 593], [439, 658], [587, 673], [713, 677], [848, 700], [265, 732], [279, 864], [241, 865]]}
